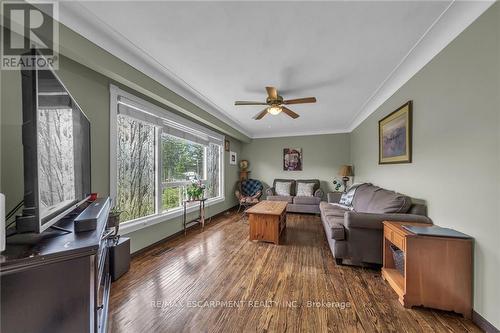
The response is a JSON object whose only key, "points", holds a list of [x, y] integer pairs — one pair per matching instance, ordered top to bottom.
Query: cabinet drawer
{"points": [[388, 234], [398, 240]]}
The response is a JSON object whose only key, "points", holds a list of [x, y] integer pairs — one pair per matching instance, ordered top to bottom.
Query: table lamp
{"points": [[346, 172]]}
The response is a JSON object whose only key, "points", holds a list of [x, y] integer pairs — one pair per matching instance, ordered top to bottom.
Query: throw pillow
{"points": [[283, 188], [305, 189], [346, 198]]}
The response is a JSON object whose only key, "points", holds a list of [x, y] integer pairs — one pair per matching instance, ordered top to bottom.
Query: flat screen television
{"points": [[56, 151]]}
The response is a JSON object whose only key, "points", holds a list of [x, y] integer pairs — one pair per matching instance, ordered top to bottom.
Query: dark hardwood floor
{"points": [[265, 287]]}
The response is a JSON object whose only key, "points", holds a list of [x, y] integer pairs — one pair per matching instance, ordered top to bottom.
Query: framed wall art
{"points": [[395, 136], [233, 158], [292, 159]]}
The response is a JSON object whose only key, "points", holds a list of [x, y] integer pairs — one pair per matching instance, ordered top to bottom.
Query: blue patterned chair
{"points": [[248, 193]]}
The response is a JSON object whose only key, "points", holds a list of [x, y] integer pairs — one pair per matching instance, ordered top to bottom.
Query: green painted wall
{"points": [[91, 91], [456, 141], [322, 157], [456, 160]]}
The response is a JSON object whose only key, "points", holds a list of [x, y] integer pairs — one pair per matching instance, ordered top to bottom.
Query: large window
{"points": [[156, 156], [183, 162], [135, 168]]}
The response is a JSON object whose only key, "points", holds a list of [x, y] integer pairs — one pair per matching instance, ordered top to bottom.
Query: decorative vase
{"points": [[243, 165]]}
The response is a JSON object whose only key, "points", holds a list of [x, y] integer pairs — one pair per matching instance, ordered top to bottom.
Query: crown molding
{"points": [[451, 22], [104, 36], [303, 133]]}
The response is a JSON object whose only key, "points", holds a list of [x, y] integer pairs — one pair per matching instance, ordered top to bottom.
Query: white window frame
{"points": [[158, 217]]}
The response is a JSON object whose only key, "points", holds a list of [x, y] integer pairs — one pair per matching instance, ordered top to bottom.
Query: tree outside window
{"points": [[180, 162]]}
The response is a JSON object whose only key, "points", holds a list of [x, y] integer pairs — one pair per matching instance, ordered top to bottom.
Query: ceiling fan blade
{"points": [[272, 92], [300, 100], [249, 103], [289, 112], [260, 115]]}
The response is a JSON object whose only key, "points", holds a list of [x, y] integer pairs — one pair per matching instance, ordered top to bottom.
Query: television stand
{"points": [[55, 227], [64, 279]]}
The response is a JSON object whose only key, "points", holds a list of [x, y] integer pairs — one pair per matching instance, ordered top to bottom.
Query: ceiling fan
{"points": [[276, 104]]}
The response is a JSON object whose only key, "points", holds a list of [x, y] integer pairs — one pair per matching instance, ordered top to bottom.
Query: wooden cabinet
{"points": [[267, 221], [438, 270]]}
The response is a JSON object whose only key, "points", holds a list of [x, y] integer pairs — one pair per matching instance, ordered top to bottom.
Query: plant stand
{"points": [[200, 219]]}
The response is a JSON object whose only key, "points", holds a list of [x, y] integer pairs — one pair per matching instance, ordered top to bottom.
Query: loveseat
{"points": [[298, 203], [355, 232]]}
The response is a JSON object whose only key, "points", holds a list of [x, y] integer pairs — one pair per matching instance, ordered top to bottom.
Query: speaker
{"points": [[2, 222], [119, 257]]}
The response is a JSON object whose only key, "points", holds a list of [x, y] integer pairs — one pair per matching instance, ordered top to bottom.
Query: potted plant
{"points": [[195, 190], [190, 192]]}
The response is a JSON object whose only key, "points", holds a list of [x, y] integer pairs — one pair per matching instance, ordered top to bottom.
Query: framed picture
{"points": [[395, 136], [226, 145], [232, 158], [292, 159]]}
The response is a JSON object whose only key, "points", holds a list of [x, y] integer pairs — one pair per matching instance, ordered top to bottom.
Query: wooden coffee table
{"points": [[267, 220]]}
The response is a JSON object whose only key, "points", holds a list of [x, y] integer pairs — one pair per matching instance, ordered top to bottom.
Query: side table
{"points": [[200, 219], [437, 270]]}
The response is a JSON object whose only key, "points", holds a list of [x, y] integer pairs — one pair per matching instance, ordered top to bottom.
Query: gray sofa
{"points": [[298, 204], [355, 234]]}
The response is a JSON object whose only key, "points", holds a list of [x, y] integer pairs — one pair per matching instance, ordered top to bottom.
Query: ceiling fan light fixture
{"points": [[276, 104], [274, 110]]}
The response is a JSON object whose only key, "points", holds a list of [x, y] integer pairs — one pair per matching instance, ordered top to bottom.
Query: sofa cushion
{"points": [[307, 181], [292, 187], [283, 188], [305, 189], [363, 196], [287, 198], [306, 200], [387, 202], [323, 205], [344, 207], [306, 209], [332, 209], [417, 209], [336, 227]]}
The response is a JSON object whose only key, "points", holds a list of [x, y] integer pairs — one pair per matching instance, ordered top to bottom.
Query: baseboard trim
{"points": [[177, 234], [483, 323]]}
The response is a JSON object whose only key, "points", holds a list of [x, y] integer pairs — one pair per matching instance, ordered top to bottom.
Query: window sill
{"points": [[144, 222]]}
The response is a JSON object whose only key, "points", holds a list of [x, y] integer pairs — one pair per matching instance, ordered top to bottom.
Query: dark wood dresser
{"points": [[57, 282]]}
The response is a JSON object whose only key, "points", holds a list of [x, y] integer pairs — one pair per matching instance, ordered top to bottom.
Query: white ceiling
{"points": [[350, 55]]}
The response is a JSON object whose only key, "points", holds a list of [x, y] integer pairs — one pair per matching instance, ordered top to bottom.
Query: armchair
{"points": [[248, 193]]}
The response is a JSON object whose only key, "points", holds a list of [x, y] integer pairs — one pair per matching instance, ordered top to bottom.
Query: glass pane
{"points": [[182, 159], [136, 168], [212, 189], [172, 197]]}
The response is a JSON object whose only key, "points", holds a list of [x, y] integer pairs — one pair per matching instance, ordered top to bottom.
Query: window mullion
{"points": [[205, 163], [158, 165]]}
